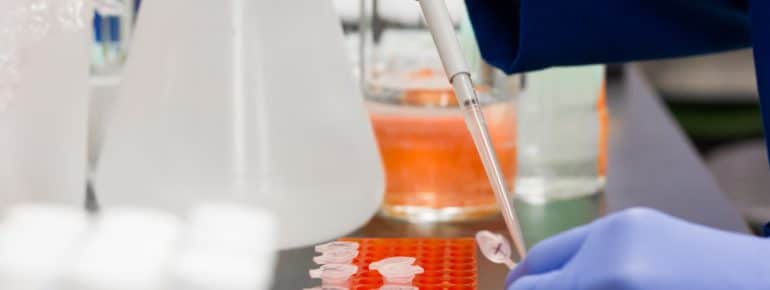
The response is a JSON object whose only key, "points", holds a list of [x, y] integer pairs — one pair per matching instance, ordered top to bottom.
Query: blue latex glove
{"points": [[644, 249]]}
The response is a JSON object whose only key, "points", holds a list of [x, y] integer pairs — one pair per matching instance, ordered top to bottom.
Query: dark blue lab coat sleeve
{"points": [[760, 31], [524, 35]]}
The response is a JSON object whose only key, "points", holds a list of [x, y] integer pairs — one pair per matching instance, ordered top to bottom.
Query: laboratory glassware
{"points": [[112, 26], [459, 74], [43, 100], [229, 103], [562, 134], [433, 171]]}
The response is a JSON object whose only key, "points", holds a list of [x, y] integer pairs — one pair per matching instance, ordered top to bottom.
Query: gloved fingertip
{"points": [[552, 253], [514, 275], [548, 280]]}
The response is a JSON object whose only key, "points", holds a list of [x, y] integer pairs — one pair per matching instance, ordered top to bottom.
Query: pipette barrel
{"points": [[440, 25]]}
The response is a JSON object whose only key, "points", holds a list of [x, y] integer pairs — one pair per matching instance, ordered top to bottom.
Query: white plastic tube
{"points": [[442, 29]]}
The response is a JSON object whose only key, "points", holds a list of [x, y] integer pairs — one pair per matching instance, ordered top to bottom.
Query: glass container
{"points": [[225, 104], [562, 134], [433, 170]]}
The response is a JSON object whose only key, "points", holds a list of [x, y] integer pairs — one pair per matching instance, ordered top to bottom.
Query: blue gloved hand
{"points": [[645, 249]]}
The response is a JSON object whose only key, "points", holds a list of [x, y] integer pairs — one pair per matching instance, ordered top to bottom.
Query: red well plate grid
{"points": [[448, 263]]}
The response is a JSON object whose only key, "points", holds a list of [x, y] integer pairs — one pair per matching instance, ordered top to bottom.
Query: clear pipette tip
{"points": [[442, 29], [474, 117]]}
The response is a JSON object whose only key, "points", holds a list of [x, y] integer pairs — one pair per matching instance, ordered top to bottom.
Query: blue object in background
{"points": [[114, 22], [97, 23], [106, 28], [524, 35], [110, 48], [766, 231], [637, 249]]}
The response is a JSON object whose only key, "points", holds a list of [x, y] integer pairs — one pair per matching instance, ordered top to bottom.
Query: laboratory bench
{"points": [[651, 164]]}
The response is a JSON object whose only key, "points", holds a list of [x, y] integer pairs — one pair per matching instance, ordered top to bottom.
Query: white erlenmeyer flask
{"points": [[43, 100], [243, 100]]}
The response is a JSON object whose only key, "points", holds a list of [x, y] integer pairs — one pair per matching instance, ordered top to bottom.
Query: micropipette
{"points": [[441, 27]]}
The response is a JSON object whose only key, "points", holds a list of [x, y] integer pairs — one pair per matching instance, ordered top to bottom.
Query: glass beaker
{"points": [[43, 101], [234, 108], [562, 134], [433, 170]]}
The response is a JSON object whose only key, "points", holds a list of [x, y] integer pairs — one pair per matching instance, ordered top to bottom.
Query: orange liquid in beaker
{"points": [[430, 160]]}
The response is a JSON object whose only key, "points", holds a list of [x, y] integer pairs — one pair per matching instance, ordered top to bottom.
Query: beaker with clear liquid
{"points": [[562, 131]]}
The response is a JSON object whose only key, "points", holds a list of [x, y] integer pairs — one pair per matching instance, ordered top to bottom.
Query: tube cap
{"points": [[337, 246], [493, 246], [336, 257], [391, 261], [334, 274], [399, 274]]}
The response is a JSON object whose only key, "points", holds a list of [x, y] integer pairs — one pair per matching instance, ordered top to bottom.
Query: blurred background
{"points": [[714, 98], [374, 129]]}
